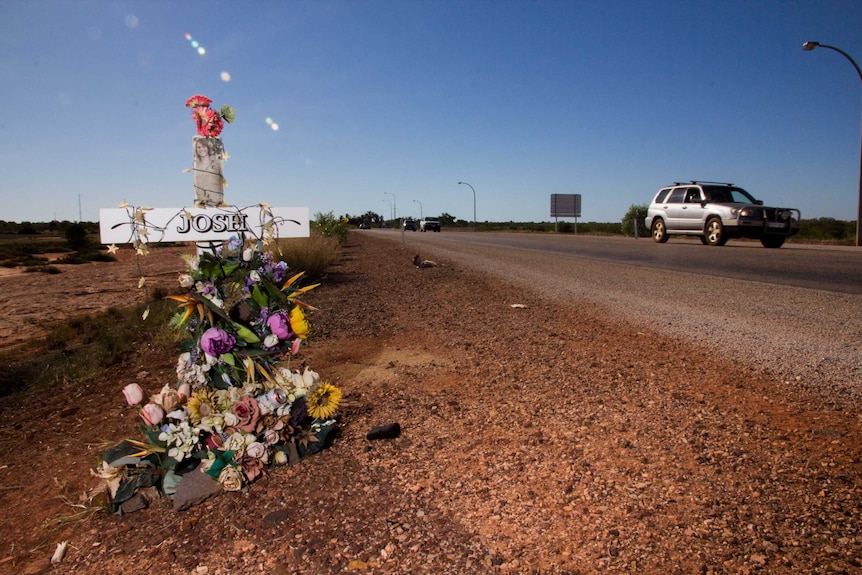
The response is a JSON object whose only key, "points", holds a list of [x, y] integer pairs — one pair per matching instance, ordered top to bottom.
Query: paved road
{"points": [[830, 268]]}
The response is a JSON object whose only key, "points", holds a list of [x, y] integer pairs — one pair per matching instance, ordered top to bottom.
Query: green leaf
{"points": [[228, 113], [259, 296], [246, 334], [228, 358]]}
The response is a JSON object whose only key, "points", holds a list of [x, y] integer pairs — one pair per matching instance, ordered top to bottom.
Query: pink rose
{"points": [[279, 325], [185, 391], [134, 394], [246, 411], [152, 414]]}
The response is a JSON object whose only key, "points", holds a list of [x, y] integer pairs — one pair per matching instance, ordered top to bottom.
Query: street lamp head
{"points": [[809, 46]]}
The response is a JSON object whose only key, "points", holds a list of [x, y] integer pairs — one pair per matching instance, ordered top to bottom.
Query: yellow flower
{"points": [[298, 323], [323, 403], [200, 405]]}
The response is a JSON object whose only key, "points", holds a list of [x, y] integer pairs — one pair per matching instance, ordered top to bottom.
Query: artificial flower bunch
{"points": [[209, 122], [236, 407]]}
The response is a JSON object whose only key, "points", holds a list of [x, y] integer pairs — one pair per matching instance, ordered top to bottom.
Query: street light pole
{"points": [[809, 46], [474, 203], [394, 205], [390, 208], [421, 216]]}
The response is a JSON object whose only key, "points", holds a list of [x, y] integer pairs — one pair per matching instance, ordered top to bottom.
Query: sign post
{"points": [[566, 206]]}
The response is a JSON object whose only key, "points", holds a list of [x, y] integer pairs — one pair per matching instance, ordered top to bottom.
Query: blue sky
{"points": [[375, 99]]}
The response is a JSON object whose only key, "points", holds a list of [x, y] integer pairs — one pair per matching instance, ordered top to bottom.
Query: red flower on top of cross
{"points": [[209, 122]]}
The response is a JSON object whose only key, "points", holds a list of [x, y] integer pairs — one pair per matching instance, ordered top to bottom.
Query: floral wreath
{"points": [[235, 409]]}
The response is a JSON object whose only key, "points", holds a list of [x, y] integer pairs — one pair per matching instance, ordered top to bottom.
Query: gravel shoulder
{"points": [[802, 336], [553, 437]]}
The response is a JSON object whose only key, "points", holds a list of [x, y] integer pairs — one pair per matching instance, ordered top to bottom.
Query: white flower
{"points": [[247, 254], [255, 276], [186, 280], [270, 341], [310, 377], [178, 415], [230, 419], [214, 422], [270, 437], [181, 438], [235, 443], [257, 450], [230, 478]]}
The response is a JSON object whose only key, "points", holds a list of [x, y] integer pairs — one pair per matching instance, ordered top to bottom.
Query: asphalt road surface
{"points": [[829, 268]]}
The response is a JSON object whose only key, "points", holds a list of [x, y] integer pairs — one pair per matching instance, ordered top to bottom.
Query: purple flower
{"points": [[234, 243], [279, 324], [216, 341]]}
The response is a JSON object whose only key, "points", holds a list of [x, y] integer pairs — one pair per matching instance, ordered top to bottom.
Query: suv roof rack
{"points": [[699, 182]]}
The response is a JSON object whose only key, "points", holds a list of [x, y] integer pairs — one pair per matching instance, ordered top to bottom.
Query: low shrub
{"points": [[313, 254]]}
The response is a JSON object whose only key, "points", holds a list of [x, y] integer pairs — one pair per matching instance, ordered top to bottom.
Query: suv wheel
{"points": [[658, 231], [715, 232], [772, 241]]}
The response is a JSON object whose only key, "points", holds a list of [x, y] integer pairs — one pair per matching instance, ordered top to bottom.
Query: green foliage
{"points": [[637, 213], [329, 226], [827, 230], [76, 237], [80, 348]]}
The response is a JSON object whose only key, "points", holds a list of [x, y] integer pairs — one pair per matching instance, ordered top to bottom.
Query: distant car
{"points": [[717, 212], [429, 224], [364, 225], [410, 225]]}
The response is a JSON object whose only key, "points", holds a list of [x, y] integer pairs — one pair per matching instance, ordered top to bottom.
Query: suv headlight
{"points": [[746, 212]]}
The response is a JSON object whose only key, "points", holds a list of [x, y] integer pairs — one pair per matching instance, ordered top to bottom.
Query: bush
{"points": [[637, 213], [327, 225], [76, 237], [312, 254]]}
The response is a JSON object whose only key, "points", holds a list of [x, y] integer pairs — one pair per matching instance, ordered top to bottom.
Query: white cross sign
{"points": [[125, 225]]}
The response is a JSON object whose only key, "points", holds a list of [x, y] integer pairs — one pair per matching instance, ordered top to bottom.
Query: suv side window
{"points": [[676, 196], [692, 196], [659, 199]]}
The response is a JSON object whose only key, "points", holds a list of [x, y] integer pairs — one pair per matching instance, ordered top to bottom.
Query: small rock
{"points": [[387, 431], [195, 488], [276, 517]]}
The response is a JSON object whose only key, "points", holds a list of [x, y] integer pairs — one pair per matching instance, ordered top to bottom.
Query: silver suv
{"points": [[717, 212]]}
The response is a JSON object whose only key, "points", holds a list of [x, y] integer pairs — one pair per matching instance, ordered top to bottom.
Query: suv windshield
{"points": [[727, 195]]}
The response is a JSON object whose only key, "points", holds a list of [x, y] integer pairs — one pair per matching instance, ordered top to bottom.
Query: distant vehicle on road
{"points": [[717, 212], [429, 224], [364, 225], [410, 225]]}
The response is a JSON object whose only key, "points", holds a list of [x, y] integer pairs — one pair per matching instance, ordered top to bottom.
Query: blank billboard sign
{"points": [[565, 205]]}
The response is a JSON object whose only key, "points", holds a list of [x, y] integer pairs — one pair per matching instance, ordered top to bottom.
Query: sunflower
{"points": [[324, 401], [200, 405]]}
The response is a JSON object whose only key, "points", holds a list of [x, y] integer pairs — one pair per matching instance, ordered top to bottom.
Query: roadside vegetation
{"points": [[80, 348]]}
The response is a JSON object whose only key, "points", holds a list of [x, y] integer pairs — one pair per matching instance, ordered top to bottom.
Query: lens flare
{"points": [[195, 44], [225, 77], [271, 123]]}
